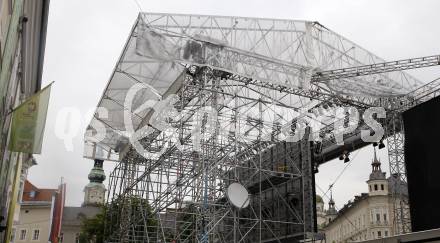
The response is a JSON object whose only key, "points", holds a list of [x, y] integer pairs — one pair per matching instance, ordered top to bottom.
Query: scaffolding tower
{"points": [[196, 103]]}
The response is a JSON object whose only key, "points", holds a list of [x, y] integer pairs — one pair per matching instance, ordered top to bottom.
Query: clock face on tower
{"points": [[94, 195]]}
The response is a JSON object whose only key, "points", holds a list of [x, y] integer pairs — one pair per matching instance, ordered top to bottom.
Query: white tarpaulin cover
{"points": [[282, 52]]}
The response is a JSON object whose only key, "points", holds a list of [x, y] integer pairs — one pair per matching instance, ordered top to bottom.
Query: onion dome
{"points": [[97, 174]]}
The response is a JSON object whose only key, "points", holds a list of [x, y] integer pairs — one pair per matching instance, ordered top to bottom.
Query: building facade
{"points": [[23, 26], [320, 212], [40, 214], [369, 216], [72, 221]]}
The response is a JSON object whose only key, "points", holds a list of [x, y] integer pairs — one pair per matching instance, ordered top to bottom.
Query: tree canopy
{"points": [[108, 220]]}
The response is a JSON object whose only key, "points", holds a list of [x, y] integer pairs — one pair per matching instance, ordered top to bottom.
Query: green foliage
{"points": [[187, 223], [100, 227], [92, 229]]}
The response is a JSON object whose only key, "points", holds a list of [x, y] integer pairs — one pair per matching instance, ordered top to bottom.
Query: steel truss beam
{"points": [[377, 68], [396, 157]]}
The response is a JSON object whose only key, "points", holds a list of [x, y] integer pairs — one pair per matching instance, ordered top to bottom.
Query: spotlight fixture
{"points": [[381, 144], [345, 156], [315, 169]]}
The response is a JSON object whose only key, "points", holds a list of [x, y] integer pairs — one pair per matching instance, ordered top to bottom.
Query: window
{"points": [[11, 7], [375, 187], [382, 187], [370, 188], [20, 197], [377, 217], [384, 217], [386, 233], [22, 234], [379, 234], [13, 235], [36, 235], [77, 238]]}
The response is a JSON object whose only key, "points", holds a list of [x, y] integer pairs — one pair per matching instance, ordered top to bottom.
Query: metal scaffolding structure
{"points": [[196, 103]]}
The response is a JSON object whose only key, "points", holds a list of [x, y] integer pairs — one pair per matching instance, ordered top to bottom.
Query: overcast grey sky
{"points": [[85, 38]]}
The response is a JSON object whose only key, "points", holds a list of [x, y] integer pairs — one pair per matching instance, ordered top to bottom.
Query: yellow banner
{"points": [[28, 121], [14, 199]]}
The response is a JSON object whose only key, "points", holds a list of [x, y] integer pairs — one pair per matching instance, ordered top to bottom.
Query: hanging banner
{"points": [[28, 121]]}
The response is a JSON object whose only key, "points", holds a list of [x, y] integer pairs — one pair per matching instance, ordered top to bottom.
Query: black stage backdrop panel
{"points": [[422, 159]]}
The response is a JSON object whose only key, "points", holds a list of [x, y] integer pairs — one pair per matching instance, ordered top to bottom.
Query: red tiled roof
{"points": [[40, 194]]}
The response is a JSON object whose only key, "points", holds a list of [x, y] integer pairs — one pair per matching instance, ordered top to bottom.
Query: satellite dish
{"points": [[238, 195]]}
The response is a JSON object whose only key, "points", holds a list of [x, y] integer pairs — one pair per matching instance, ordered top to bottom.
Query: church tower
{"points": [[377, 183], [94, 191], [332, 213]]}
